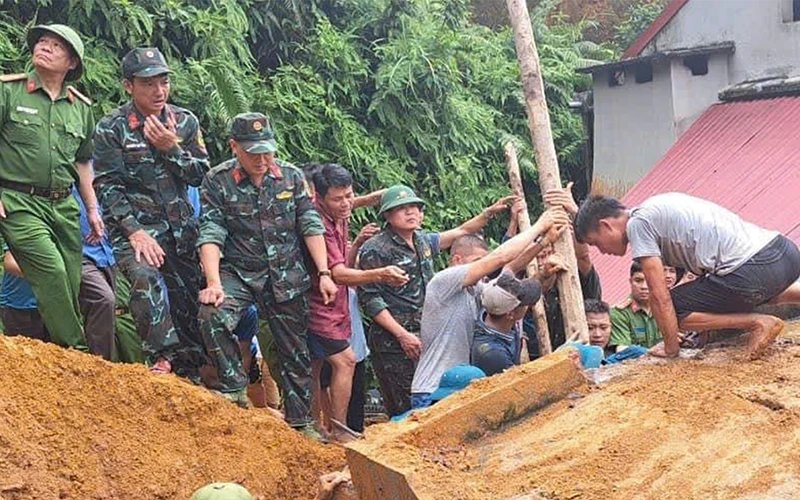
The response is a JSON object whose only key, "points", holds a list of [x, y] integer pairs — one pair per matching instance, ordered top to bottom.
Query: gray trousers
{"points": [[97, 302]]}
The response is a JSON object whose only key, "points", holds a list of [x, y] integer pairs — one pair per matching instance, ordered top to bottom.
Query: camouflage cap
{"points": [[66, 33], [144, 62], [254, 133], [397, 196], [222, 491]]}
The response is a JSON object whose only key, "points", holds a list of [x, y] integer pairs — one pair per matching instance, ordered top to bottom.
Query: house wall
{"points": [[767, 41], [692, 94], [634, 127]]}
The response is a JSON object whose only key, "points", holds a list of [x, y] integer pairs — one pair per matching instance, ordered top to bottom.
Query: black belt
{"points": [[50, 194]]}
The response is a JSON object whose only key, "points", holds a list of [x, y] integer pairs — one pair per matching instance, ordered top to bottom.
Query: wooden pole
{"points": [[524, 222], [569, 286]]}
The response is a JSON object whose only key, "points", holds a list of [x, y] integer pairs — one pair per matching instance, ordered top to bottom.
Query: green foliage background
{"points": [[405, 91]]}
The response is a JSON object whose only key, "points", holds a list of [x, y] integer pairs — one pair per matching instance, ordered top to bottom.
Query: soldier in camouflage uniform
{"points": [[45, 147], [147, 153], [256, 213], [396, 311]]}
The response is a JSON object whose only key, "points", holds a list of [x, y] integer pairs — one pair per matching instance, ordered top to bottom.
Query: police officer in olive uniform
{"points": [[46, 146], [148, 152], [256, 213]]}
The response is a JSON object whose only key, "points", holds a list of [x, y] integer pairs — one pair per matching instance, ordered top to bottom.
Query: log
{"points": [[524, 222], [569, 286]]}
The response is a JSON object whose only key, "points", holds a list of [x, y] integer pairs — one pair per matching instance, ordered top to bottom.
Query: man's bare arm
{"points": [[661, 303]]}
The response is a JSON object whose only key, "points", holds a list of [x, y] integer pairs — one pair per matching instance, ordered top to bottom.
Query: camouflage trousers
{"points": [[163, 303], [289, 324], [393, 369]]}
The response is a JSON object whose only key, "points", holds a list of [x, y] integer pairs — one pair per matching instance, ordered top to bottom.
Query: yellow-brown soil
{"points": [[75, 427], [713, 428]]}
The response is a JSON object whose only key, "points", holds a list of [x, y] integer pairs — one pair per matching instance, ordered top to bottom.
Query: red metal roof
{"points": [[647, 36], [742, 155]]}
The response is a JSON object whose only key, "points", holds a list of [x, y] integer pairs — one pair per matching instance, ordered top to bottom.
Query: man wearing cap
{"points": [[45, 147], [147, 153], [256, 213], [396, 311], [496, 341]]}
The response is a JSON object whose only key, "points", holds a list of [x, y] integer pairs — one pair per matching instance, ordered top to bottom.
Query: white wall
{"points": [[766, 45], [693, 94], [633, 126]]}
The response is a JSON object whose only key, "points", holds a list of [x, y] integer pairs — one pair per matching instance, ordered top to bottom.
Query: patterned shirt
{"points": [[140, 187], [259, 230]]}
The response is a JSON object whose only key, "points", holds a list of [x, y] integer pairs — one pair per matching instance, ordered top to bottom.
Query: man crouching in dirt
{"points": [[742, 265]]}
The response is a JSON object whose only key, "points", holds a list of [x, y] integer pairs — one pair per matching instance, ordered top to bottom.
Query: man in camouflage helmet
{"points": [[46, 146], [147, 153], [256, 213], [396, 311]]}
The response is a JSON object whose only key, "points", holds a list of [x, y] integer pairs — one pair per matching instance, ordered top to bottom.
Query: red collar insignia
{"points": [[31, 86], [133, 121], [275, 171], [237, 175]]}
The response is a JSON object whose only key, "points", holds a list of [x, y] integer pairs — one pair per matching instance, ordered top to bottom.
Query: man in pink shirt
{"points": [[329, 324]]}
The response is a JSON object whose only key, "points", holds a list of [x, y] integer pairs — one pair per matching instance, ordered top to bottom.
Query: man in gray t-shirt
{"points": [[740, 265], [450, 307]]}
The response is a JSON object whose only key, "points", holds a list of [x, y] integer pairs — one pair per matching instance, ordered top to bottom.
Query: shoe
{"points": [[239, 398], [311, 432]]}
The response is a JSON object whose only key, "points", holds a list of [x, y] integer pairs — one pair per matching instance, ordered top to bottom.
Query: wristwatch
{"points": [[539, 240], [324, 273]]}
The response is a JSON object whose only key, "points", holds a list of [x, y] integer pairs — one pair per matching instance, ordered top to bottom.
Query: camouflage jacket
{"points": [[142, 188], [260, 230], [405, 302]]}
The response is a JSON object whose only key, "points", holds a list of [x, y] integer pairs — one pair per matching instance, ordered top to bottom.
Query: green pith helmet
{"points": [[69, 35], [254, 133], [397, 196], [222, 491]]}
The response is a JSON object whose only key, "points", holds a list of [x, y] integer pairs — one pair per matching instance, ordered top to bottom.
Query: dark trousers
{"points": [[163, 302], [288, 322], [25, 323], [394, 371]]}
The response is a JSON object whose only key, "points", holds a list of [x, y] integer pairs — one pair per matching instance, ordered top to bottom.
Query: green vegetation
{"points": [[396, 90]]}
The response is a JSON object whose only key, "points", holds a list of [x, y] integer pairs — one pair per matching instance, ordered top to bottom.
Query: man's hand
{"points": [[162, 137], [562, 198], [500, 205], [517, 208], [2, 210], [553, 217], [97, 226], [366, 233], [554, 234], [146, 246], [555, 264], [393, 276], [328, 289], [213, 295], [411, 345], [660, 351], [328, 483]]}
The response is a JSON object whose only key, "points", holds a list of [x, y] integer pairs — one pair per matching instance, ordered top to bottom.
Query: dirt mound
{"points": [[73, 426], [718, 427]]}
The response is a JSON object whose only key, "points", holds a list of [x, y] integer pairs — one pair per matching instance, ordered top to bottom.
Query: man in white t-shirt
{"points": [[740, 265], [450, 307]]}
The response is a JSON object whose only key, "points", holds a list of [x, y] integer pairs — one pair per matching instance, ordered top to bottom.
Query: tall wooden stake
{"points": [[524, 222], [569, 287]]}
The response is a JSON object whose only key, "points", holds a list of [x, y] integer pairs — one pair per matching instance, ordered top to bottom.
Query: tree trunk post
{"points": [[524, 222], [569, 287]]}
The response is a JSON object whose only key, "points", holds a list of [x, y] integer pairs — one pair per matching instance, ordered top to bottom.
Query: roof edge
{"points": [[726, 46], [636, 48]]}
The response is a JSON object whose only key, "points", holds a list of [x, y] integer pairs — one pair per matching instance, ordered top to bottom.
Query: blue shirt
{"points": [[102, 254], [16, 293], [494, 351]]}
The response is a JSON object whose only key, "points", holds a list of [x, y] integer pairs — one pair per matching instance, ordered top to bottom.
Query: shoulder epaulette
{"points": [[13, 78], [77, 94], [222, 167], [625, 303]]}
